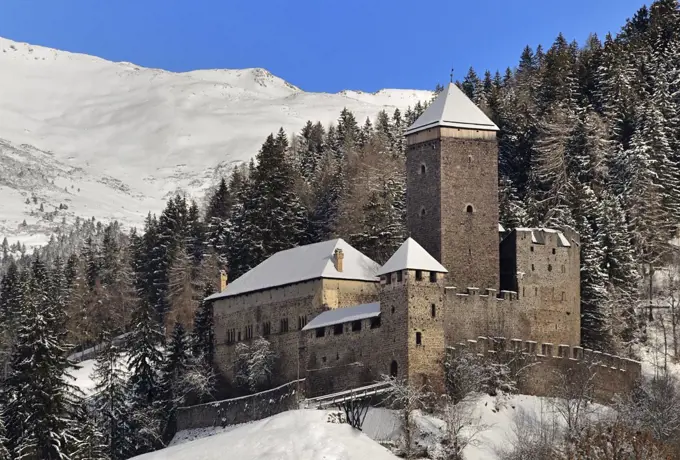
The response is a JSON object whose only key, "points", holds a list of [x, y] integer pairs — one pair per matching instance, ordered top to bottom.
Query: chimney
{"points": [[339, 256], [223, 280]]}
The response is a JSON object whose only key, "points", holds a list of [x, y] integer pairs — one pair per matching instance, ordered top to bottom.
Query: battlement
{"points": [[611, 374]]}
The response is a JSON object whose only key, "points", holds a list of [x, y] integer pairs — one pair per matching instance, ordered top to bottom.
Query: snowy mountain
{"points": [[113, 140]]}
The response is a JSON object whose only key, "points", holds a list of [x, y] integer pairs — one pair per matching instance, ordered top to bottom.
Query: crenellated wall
{"points": [[549, 366]]}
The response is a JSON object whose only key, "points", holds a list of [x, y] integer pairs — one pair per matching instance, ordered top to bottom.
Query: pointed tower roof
{"points": [[454, 109], [411, 256]]}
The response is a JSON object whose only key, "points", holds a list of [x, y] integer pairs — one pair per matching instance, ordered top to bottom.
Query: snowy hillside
{"points": [[113, 140], [295, 435]]}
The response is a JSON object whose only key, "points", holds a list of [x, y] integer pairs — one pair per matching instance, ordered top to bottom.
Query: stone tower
{"points": [[452, 188], [412, 313]]}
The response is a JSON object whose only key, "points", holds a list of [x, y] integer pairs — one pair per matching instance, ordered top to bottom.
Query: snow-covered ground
{"points": [[113, 140], [82, 376], [306, 434], [294, 435]]}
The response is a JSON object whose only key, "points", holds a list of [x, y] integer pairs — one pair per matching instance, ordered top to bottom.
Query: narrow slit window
{"points": [[423, 169], [419, 275], [399, 276], [433, 277], [433, 310], [419, 339]]}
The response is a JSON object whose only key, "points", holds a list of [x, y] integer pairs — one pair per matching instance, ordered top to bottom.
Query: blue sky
{"points": [[320, 45]]}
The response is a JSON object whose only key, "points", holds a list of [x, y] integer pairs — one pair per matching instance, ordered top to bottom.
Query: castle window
{"points": [[469, 158], [423, 169], [469, 209], [422, 212], [531, 249], [553, 250], [532, 267], [549, 267], [564, 270], [419, 275], [399, 276], [433, 277], [388, 278], [536, 291], [524, 292], [563, 296], [433, 310], [302, 321], [375, 322], [284, 325], [356, 326], [266, 328], [338, 329], [320, 331], [249, 332], [239, 336], [419, 339], [323, 359], [394, 369]]}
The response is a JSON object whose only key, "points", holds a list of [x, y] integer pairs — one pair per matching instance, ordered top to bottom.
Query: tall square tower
{"points": [[452, 188]]}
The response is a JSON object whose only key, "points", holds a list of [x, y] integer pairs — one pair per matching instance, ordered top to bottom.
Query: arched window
{"points": [[469, 209], [394, 369]]}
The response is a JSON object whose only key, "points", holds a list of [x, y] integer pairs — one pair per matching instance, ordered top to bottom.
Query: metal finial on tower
{"points": [[451, 75]]}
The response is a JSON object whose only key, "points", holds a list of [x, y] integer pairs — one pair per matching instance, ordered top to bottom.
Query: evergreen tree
{"points": [[203, 335], [42, 406], [111, 409]]}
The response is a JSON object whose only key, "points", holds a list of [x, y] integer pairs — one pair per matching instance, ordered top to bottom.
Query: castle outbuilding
{"points": [[339, 320]]}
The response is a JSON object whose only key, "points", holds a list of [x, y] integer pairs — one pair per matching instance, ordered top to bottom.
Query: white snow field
{"points": [[113, 140], [294, 435]]}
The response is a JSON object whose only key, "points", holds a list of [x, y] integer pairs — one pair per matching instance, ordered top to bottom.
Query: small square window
{"points": [[419, 275], [433, 277], [375, 322], [356, 326], [338, 329], [320, 331]]}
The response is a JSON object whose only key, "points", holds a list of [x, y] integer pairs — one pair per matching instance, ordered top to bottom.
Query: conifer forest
{"points": [[589, 138]]}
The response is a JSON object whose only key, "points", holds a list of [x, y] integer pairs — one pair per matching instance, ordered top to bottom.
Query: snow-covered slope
{"points": [[127, 136], [294, 435]]}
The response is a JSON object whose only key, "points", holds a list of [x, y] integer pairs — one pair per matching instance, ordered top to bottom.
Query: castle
{"points": [[339, 320]]}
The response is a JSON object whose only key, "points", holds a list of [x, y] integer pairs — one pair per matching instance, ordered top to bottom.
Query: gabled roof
{"points": [[454, 109], [538, 235], [411, 256], [303, 263], [344, 315]]}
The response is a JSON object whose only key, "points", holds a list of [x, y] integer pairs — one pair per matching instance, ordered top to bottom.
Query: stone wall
{"points": [[448, 176], [469, 176], [547, 282], [278, 314], [546, 367], [241, 410]]}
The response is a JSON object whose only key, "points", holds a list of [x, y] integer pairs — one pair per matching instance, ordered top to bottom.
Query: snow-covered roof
{"points": [[454, 109], [501, 228], [537, 235], [411, 256], [303, 263], [344, 315]]}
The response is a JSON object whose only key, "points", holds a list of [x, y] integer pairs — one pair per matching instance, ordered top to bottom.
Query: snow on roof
{"points": [[454, 109], [501, 228], [538, 237], [411, 256], [303, 263], [344, 315]]}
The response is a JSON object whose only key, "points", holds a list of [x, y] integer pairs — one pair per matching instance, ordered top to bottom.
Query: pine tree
{"points": [[203, 335], [43, 407], [111, 409]]}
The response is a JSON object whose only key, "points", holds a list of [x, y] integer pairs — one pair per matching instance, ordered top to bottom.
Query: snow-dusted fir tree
{"points": [[203, 335], [260, 364], [43, 407], [111, 410]]}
